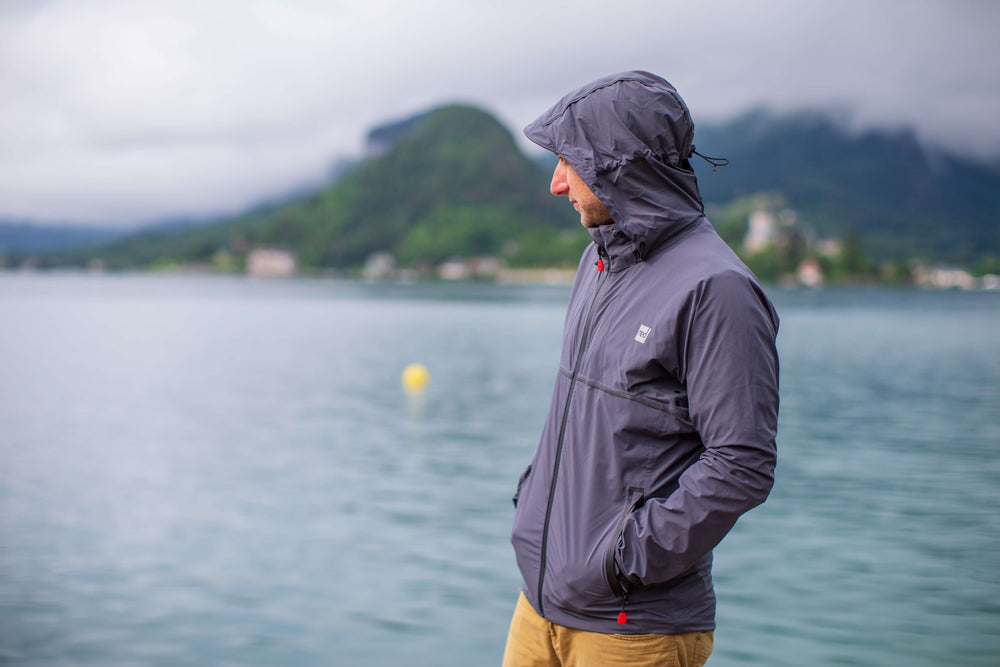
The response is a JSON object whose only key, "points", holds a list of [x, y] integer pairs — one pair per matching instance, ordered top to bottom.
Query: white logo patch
{"points": [[643, 333]]}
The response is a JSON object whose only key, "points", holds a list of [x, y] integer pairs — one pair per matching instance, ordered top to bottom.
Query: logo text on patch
{"points": [[643, 333]]}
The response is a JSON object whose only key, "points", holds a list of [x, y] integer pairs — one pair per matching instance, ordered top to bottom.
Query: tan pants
{"points": [[534, 642]]}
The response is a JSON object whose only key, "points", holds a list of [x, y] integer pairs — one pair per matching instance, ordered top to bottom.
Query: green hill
{"points": [[449, 183]]}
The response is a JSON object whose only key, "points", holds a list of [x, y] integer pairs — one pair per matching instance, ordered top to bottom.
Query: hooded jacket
{"points": [[661, 429]]}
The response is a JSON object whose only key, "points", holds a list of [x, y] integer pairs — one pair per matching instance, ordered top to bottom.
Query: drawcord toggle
{"points": [[716, 162], [600, 264], [622, 619]]}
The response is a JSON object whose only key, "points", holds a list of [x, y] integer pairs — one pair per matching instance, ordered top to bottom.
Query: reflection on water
{"points": [[224, 470]]}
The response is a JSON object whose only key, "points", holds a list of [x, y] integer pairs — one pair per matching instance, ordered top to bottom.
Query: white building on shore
{"points": [[271, 263]]}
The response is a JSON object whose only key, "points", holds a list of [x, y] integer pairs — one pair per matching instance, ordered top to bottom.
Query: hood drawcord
{"points": [[716, 162]]}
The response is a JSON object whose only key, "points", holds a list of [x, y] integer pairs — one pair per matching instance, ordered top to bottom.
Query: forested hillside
{"points": [[452, 183], [901, 198]]}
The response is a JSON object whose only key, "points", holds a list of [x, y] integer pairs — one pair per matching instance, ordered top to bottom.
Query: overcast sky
{"points": [[129, 111]]}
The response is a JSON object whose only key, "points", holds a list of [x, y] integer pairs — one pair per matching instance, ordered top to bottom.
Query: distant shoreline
{"points": [[555, 277]]}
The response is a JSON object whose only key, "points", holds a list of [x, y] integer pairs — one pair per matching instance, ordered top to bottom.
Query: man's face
{"points": [[566, 182]]}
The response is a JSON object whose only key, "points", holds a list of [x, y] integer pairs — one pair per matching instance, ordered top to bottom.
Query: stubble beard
{"points": [[594, 215]]}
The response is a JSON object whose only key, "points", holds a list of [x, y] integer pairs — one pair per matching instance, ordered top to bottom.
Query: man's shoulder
{"points": [[699, 257], [702, 271]]}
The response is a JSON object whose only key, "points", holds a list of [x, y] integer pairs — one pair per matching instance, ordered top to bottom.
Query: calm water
{"points": [[226, 471]]}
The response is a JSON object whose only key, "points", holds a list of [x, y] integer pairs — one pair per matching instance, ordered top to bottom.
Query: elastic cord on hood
{"points": [[714, 161]]}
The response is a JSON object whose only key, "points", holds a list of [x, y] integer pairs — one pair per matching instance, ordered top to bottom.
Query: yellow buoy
{"points": [[415, 377]]}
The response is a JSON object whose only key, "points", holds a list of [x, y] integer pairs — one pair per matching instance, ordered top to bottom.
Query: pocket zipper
{"points": [[633, 500]]}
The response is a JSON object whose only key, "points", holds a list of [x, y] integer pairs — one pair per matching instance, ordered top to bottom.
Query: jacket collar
{"points": [[616, 248], [620, 251]]}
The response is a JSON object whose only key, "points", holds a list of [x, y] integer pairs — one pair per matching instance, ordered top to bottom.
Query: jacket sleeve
{"points": [[730, 365]]}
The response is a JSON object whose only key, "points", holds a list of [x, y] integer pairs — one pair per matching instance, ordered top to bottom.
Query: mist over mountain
{"points": [[451, 183], [902, 198]]}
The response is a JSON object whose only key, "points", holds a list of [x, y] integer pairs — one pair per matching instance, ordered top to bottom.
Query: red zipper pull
{"points": [[600, 264], [622, 619]]}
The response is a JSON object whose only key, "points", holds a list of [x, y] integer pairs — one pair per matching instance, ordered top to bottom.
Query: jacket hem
{"points": [[637, 624]]}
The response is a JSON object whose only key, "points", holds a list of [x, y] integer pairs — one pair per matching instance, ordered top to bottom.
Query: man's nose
{"points": [[559, 185]]}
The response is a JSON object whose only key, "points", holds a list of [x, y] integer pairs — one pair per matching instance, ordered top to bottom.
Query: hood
{"points": [[629, 137]]}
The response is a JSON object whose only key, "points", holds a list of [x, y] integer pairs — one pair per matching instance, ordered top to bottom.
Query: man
{"points": [[661, 430]]}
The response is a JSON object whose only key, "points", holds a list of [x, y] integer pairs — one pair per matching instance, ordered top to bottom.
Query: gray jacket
{"points": [[661, 430]]}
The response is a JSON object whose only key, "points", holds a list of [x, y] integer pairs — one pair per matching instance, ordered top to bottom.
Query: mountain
{"points": [[447, 183], [452, 183], [903, 199], [30, 238]]}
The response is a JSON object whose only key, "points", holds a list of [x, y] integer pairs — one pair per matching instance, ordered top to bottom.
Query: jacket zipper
{"points": [[584, 335], [633, 499]]}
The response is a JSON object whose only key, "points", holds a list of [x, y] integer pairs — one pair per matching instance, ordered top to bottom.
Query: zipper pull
{"points": [[600, 264], [622, 618]]}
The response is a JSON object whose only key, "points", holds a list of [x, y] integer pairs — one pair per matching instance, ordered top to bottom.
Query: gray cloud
{"points": [[124, 112]]}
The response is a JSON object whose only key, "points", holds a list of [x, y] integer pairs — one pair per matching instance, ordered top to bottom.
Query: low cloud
{"points": [[123, 113]]}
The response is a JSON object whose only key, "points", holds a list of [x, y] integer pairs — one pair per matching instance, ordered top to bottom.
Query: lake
{"points": [[209, 470]]}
